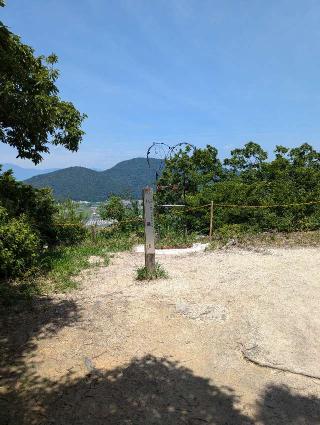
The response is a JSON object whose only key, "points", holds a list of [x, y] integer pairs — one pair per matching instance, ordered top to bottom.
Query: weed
{"points": [[174, 239], [267, 239], [58, 266], [158, 273]]}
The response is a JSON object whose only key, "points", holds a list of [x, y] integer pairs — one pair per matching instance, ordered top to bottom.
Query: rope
{"points": [[295, 204], [199, 207], [69, 224], [112, 225]]}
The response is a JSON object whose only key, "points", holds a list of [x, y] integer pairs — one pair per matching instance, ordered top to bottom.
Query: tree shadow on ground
{"points": [[21, 327], [147, 391], [153, 391], [281, 406]]}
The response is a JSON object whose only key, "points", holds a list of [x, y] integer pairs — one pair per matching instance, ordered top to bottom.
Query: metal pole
{"points": [[211, 221], [149, 245]]}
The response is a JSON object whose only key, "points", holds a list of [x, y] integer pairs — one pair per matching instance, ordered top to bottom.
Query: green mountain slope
{"points": [[79, 183]]}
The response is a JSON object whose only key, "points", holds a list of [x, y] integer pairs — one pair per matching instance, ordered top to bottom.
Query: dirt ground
{"points": [[232, 337]]}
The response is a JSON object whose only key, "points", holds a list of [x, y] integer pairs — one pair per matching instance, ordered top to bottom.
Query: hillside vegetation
{"points": [[83, 184], [250, 192], [252, 197]]}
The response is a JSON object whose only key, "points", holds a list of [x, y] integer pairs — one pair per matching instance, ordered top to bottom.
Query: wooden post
{"points": [[211, 221], [149, 245]]}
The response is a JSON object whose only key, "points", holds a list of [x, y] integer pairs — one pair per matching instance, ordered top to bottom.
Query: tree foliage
{"points": [[32, 115], [188, 172], [246, 178], [37, 205], [113, 209], [127, 217], [29, 220], [69, 224], [19, 245]]}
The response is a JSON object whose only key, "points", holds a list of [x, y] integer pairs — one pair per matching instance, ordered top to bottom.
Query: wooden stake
{"points": [[211, 221], [149, 245]]}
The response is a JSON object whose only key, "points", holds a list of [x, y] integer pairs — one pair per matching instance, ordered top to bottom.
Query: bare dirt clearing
{"points": [[230, 338]]}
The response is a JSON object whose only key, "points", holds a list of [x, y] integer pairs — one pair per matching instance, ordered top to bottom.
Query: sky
{"points": [[199, 71]]}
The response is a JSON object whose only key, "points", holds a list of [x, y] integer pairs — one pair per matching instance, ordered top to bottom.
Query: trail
{"points": [[150, 351]]}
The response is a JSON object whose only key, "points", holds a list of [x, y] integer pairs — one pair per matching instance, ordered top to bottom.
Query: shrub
{"points": [[37, 205], [113, 209], [127, 218], [69, 226], [70, 233], [235, 233], [116, 240], [19, 245]]}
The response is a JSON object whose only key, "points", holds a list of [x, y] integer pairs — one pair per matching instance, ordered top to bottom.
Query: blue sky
{"points": [[200, 71]]}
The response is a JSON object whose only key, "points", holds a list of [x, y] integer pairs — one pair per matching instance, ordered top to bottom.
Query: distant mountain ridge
{"points": [[21, 173], [127, 178]]}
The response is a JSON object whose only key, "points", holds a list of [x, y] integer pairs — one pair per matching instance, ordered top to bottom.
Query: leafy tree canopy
{"points": [[32, 115], [251, 156], [188, 171], [247, 178], [113, 209]]}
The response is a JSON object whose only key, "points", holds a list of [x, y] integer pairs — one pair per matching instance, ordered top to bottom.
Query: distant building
{"points": [[98, 222]]}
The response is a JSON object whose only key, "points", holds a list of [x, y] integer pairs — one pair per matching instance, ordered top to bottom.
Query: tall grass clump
{"points": [[158, 273]]}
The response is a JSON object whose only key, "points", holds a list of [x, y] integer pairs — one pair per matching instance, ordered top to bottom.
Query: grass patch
{"points": [[176, 240], [116, 241], [66, 262], [63, 263], [58, 267], [158, 273]]}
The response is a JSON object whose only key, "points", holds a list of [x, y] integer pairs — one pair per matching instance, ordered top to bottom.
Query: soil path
{"points": [[227, 339]]}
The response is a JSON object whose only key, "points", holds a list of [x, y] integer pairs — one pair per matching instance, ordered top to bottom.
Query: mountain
{"points": [[21, 173], [127, 178]]}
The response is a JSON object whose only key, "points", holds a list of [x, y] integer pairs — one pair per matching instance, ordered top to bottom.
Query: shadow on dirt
{"points": [[21, 327], [148, 390], [155, 391], [279, 405]]}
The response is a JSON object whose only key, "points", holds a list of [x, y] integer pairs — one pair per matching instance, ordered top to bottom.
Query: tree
{"points": [[32, 115], [250, 157], [187, 172], [292, 177], [37, 205], [113, 209]]}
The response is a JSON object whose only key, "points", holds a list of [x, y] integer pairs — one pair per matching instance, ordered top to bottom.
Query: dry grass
{"points": [[269, 240]]}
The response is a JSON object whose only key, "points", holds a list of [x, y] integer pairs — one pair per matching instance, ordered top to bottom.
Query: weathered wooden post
{"points": [[211, 221], [149, 245]]}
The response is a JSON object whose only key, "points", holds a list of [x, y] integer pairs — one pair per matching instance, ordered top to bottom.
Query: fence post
{"points": [[211, 221], [149, 245]]}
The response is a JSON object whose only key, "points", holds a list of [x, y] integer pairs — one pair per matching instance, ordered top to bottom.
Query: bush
{"points": [[37, 205], [113, 209], [127, 218], [69, 226], [70, 233], [236, 233], [116, 240], [19, 245]]}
